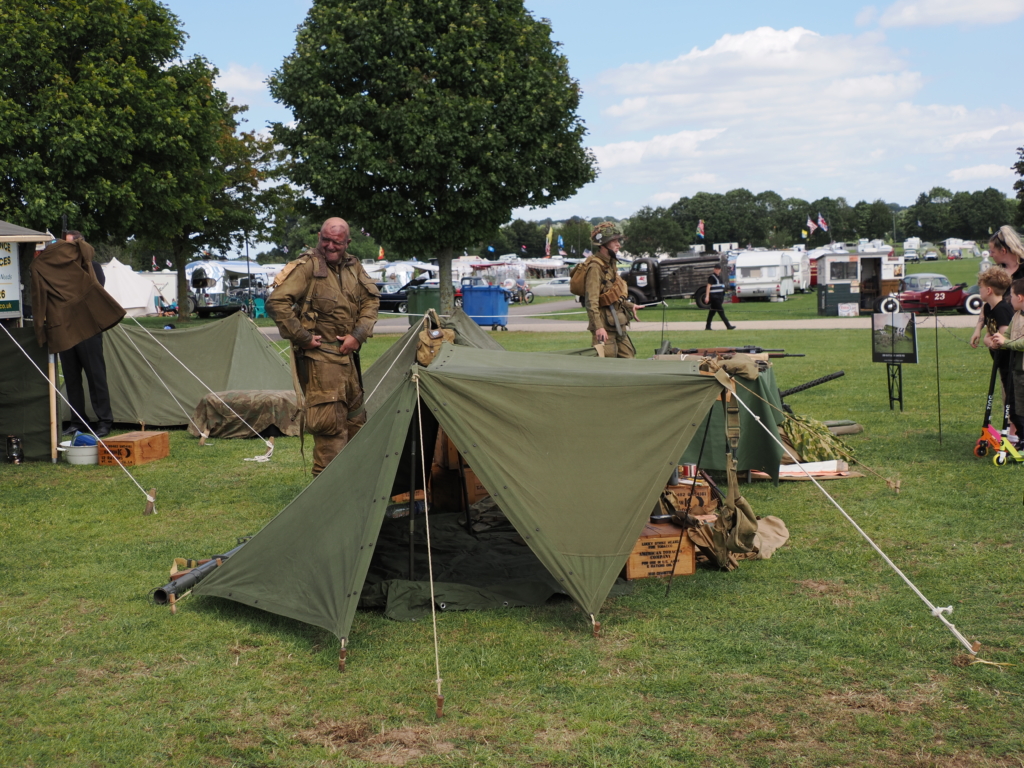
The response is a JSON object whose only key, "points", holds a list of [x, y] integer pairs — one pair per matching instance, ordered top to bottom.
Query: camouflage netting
{"points": [[811, 440]]}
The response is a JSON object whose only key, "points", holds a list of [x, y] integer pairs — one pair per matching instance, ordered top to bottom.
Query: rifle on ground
{"points": [[730, 351]]}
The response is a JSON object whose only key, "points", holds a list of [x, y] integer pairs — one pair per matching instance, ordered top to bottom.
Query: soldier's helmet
{"points": [[606, 232]]}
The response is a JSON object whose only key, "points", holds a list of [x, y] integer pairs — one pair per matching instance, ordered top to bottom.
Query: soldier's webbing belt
{"points": [[613, 294]]}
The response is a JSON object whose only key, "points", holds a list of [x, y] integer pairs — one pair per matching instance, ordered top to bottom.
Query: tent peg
{"points": [[150, 502], [596, 624], [342, 656], [440, 705]]}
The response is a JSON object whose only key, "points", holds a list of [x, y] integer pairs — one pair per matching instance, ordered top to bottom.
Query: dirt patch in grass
{"points": [[838, 592], [399, 746]]}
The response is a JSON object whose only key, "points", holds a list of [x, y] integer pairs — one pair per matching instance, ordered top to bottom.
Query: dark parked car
{"points": [[395, 299]]}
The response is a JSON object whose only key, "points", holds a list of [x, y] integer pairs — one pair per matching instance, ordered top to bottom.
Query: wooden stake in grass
{"points": [[150, 502]]}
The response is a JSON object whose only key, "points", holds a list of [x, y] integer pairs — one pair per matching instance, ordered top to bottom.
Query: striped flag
{"points": [[822, 223], [811, 226], [700, 229], [380, 254]]}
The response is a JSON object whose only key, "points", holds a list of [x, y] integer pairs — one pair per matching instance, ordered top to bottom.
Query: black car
{"points": [[393, 299]]}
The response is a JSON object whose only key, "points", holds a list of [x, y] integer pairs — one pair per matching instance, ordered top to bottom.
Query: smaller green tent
{"points": [[148, 385], [25, 393], [576, 490]]}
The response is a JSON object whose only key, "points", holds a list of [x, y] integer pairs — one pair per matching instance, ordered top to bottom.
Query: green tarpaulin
{"points": [[148, 385], [24, 394], [756, 450], [575, 489]]}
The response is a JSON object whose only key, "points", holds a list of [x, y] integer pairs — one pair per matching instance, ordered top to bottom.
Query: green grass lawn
{"points": [[820, 656]]}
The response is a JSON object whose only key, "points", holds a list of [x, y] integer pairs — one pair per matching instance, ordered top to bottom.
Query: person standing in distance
{"points": [[714, 295], [605, 297], [326, 305]]}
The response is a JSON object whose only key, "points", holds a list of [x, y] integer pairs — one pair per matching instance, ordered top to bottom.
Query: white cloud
{"points": [[916, 13], [867, 16], [239, 79], [790, 110], [993, 172], [665, 198]]}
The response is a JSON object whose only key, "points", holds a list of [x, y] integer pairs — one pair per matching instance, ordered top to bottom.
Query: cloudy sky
{"points": [[804, 98]]}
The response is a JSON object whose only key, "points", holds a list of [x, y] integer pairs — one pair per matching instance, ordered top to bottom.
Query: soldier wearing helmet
{"points": [[605, 297]]}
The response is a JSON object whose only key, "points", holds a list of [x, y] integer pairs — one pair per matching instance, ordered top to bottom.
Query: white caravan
{"points": [[764, 274]]}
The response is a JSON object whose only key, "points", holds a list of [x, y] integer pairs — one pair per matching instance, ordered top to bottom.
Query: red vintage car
{"points": [[929, 292]]}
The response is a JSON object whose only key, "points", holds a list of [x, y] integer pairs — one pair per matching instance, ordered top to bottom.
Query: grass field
{"points": [[820, 656]]}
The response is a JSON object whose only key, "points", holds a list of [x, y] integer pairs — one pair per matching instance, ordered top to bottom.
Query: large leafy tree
{"points": [[429, 121], [105, 124], [652, 231]]}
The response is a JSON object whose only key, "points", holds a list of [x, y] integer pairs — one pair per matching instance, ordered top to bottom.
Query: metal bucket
{"points": [[79, 454]]}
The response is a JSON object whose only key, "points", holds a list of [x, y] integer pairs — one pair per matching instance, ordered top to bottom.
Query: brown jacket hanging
{"points": [[68, 303]]}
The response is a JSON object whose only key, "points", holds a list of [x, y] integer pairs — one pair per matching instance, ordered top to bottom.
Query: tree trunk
{"points": [[180, 259], [444, 261]]}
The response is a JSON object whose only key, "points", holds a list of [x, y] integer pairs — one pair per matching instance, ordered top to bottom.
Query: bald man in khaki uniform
{"points": [[326, 305]]}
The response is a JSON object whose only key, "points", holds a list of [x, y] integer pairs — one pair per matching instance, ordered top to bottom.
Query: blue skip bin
{"points": [[487, 305]]}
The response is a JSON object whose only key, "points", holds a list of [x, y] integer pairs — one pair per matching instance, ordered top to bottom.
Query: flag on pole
{"points": [[919, 222], [822, 223], [811, 226], [700, 229], [990, 230], [803, 233], [547, 243], [561, 244], [523, 247], [490, 248], [284, 249], [561, 252], [380, 254], [169, 265], [155, 267]]}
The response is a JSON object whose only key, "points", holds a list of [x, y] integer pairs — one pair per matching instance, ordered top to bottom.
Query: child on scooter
{"points": [[1013, 342]]}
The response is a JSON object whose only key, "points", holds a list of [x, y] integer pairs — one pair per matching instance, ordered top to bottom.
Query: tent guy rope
{"points": [[151, 494], [430, 560], [938, 613]]}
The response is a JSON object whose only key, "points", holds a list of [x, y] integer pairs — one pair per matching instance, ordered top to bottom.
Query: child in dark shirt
{"points": [[997, 314], [1014, 343]]}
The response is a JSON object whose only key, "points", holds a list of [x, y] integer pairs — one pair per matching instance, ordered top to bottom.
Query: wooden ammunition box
{"points": [[134, 448], [474, 488], [703, 499], [656, 549]]}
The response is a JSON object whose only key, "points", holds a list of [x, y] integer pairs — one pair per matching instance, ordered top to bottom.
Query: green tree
{"points": [[84, 84], [429, 121], [105, 124], [651, 231], [521, 233], [575, 234]]}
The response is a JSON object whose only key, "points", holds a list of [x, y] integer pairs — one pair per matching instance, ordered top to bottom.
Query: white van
{"points": [[764, 274]]}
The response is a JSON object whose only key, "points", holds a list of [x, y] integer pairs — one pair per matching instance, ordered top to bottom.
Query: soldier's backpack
{"points": [[578, 277]]}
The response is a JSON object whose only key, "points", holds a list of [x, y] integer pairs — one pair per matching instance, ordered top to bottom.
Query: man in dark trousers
{"points": [[714, 294], [87, 357]]}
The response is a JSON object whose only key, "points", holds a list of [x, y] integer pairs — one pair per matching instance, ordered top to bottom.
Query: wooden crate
{"points": [[134, 448], [474, 488], [703, 499], [656, 549]]}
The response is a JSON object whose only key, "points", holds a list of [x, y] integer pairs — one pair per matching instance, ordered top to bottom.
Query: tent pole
{"points": [[52, 372], [412, 499]]}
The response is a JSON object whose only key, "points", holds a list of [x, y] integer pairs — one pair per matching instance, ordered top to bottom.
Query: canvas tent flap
{"points": [[226, 355], [390, 369], [24, 393], [546, 436], [757, 450], [326, 537]]}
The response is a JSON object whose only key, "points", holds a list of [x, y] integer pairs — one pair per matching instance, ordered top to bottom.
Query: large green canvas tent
{"points": [[230, 354], [575, 489]]}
